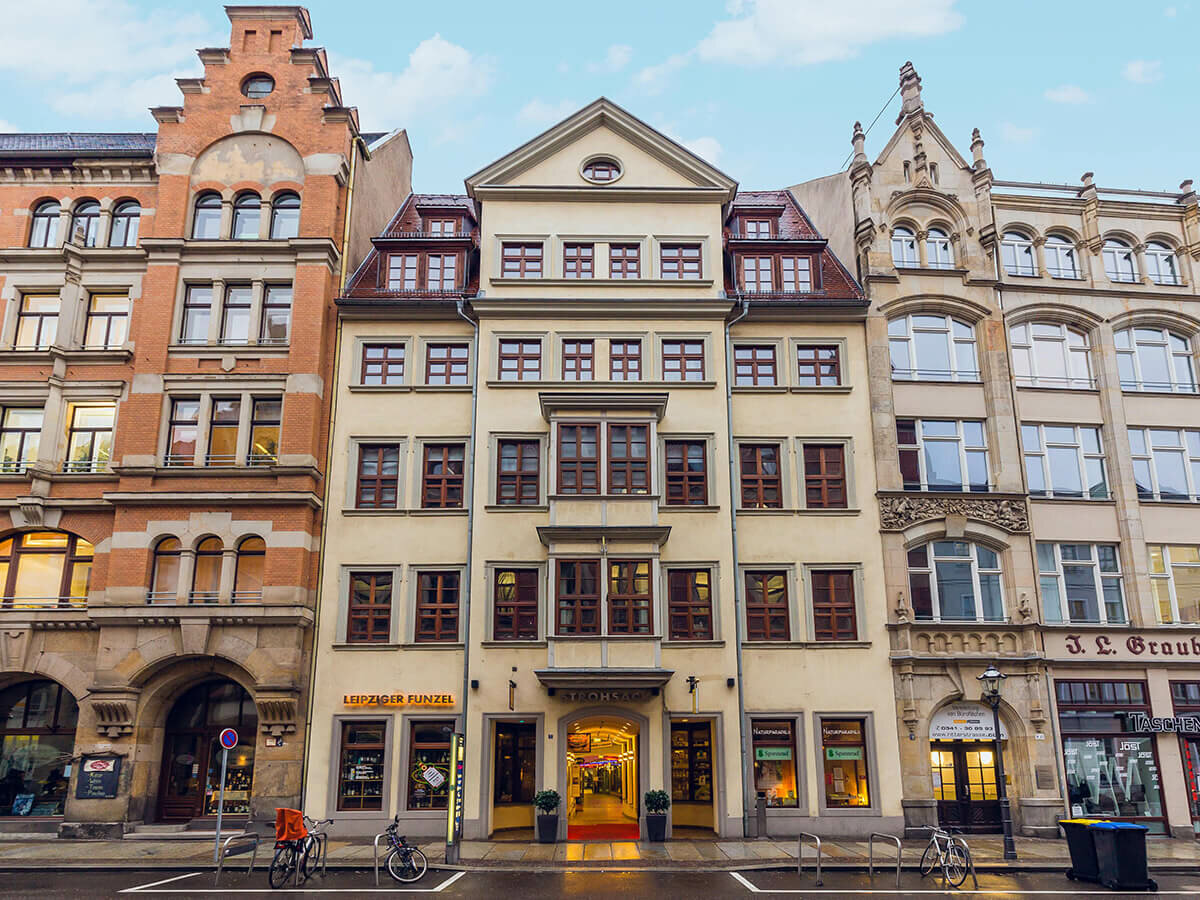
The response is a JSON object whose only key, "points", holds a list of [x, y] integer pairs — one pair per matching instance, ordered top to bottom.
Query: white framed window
{"points": [[904, 248], [937, 250], [1016, 253], [1061, 261], [1120, 264], [1161, 265], [931, 347], [1049, 355], [1155, 359], [943, 454], [1064, 461], [1166, 463], [955, 581], [1175, 583], [1081, 584]]}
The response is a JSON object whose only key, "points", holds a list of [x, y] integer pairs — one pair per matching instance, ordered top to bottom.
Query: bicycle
{"points": [[313, 846], [297, 849], [948, 852], [405, 863], [283, 864]]}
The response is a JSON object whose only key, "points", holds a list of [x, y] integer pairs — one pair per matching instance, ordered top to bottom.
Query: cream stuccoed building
{"points": [[1036, 427], [601, 498]]}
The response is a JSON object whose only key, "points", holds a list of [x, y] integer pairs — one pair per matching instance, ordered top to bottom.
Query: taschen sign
{"points": [[398, 699], [1139, 721]]}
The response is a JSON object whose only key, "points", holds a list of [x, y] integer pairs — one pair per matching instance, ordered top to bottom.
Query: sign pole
{"points": [[220, 805], [454, 811]]}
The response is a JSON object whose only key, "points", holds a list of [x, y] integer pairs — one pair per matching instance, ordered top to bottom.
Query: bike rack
{"points": [[381, 834], [323, 842], [248, 844], [800, 854], [871, 854], [970, 867]]}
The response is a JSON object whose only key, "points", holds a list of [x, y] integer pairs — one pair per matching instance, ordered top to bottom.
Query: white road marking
{"points": [[150, 888], [755, 889]]}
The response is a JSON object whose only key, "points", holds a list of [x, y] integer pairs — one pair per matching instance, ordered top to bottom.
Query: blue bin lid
{"points": [[1114, 826]]}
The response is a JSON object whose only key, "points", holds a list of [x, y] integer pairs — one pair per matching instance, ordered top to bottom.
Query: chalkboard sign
{"points": [[98, 777]]}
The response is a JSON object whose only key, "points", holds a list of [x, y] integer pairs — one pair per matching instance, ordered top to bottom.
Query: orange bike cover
{"points": [[289, 825]]}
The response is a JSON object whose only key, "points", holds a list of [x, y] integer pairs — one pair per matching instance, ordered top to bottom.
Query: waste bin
{"points": [[1121, 853], [1084, 866]]}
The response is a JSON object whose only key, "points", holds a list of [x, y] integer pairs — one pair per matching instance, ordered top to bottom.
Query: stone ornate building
{"points": [[165, 359]]}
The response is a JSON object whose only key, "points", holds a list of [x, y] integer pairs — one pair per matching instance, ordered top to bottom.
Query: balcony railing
{"points": [[432, 235], [773, 294], [934, 375], [1056, 381], [262, 459], [14, 466], [84, 466], [1168, 496], [247, 596], [9, 603]]}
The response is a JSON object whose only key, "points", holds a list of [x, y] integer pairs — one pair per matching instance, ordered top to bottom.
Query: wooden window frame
{"points": [[602, 171], [441, 221], [748, 224], [757, 260], [579, 261], [624, 261], [409, 262], [790, 264], [528, 265], [675, 265], [441, 285], [228, 303], [188, 305], [104, 320], [43, 339], [686, 353], [512, 355], [578, 359], [620, 363], [812, 366], [388, 367], [443, 370], [761, 372], [173, 422], [261, 423], [224, 459], [93, 461], [579, 466], [627, 466], [519, 478], [822, 480], [681, 481], [377, 483], [756, 484], [437, 489], [71, 555], [684, 581], [623, 597], [579, 602], [523, 604], [828, 606], [439, 610], [378, 615], [762, 615], [436, 798], [363, 802]]}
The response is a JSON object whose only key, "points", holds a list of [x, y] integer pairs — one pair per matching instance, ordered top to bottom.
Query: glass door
{"points": [[964, 785]]}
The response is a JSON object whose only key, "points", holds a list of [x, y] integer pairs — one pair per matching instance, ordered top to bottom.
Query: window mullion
{"points": [[978, 599]]}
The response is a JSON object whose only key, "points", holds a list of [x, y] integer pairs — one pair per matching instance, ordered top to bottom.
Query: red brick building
{"points": [[166, 355]]}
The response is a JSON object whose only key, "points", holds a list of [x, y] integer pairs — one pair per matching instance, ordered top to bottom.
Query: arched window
{"points": [[258, 86], [247, 211], [285, 216], [126, 218], [85, 224], [206, 226], [44, 231], [904, 248], [937, 250], [1016, 252], [1060, 257], [1119, 261], [1161, 264], [927, 347], [1046, 354], [1155, 359], [45, 569], [164, 578], [248, 579], [206, 580], [955, 581], [37, 741]]}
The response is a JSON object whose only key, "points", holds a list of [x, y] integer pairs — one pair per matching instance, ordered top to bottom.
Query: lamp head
{"points": [[991, 682]]}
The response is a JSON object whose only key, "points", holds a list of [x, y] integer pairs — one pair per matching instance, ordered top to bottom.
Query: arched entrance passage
{"points": [[37, 741], [962, 754], [191, 766], [602, 778]]}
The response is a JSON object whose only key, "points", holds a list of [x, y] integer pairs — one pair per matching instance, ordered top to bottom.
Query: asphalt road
{"points": [[127, 885]]}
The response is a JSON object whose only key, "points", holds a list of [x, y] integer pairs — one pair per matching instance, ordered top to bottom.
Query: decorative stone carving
{"points": [[899, 511], [942, 643], [114, 714], [276, 714]]}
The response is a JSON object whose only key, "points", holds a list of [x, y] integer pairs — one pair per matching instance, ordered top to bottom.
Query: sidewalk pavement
{"points": [[52, 853]]}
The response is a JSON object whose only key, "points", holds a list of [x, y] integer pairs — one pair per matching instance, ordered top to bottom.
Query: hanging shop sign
{"points": [[1078, 645], [398, 699], [964, 721], [1139, 721], [98, 777]]}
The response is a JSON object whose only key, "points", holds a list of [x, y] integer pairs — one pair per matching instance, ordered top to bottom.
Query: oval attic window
{"points": [[257, 86], [602, 170]]}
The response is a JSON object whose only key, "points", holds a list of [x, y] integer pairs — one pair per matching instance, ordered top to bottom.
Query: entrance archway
{"points": [[37, 741], [191, 766], [602, 778]]}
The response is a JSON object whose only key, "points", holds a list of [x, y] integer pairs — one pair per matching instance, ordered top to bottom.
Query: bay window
{"points": [[955, 581], [1081, 584]]}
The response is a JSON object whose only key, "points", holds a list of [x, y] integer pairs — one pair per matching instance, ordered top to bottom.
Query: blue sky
{"points": [[766, 89]]}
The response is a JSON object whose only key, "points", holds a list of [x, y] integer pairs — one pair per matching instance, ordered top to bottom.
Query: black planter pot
{"points": [[656, 826], [547, 828]]}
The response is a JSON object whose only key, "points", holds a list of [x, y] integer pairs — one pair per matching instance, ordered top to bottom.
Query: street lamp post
{"points": [[990, 682]]}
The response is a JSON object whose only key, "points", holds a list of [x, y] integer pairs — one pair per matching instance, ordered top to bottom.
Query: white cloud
{"points": [[1170, 12], [615, 59], [116, 60], [1142, 71], [438, 73], [653, 79], [1068, 93], [539, 112], [8, 127], [1015, 134], [707, 148]]}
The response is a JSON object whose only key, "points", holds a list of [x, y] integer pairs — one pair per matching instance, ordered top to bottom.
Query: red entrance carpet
{"points": [[614, 832]]}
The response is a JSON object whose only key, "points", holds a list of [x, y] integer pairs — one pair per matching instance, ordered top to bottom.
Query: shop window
{"points": [[625, 360], [628, 459], [687, 473], [518, 475], [40, 569], [1175, 583], [577, 597], [629, 597], [689, 599], [515, 605], [767, 606], [437, 607], [370, 608], [37, 741], [774, 744], [429, 747], [844, 753], [691, 762], [516, 763], [361, 766]]}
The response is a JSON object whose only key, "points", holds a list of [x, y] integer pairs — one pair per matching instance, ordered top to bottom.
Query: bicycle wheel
{"points": [[310, 856], [929, 859], [957, 862], [283, 866], [406, 870]]}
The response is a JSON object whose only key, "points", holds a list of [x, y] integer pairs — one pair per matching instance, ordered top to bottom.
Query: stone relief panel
{"points": [[900, 511]]}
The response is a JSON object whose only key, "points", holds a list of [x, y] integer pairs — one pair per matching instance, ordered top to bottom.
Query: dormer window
{"points": [[258, 86], [601, 170], [441, 226], [756, 228]]}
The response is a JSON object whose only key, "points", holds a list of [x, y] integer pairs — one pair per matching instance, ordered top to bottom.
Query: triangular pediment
{"points": [[937, 146], [649, 160]]}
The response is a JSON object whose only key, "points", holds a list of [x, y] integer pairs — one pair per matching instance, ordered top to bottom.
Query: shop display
{"points": [[691, 762]]}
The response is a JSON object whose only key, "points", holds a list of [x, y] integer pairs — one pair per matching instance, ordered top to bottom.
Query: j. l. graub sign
{"points": [[1114, 646], [398, 699]]}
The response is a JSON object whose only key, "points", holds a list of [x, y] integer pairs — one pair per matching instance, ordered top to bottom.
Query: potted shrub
{"points": [[657, 804], [547, 817]]}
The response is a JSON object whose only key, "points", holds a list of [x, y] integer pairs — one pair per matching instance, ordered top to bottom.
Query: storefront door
{"points": [[37, 740], [964, 785]]}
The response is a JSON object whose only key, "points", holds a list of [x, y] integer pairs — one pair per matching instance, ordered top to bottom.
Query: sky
{"points": [[766, 90]]}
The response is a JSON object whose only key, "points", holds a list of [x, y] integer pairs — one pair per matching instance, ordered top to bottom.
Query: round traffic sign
{"points": [[229, 738]]}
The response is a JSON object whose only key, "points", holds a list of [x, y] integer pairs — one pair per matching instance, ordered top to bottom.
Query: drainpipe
{"points": [[332, 386], [737, 605]]}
